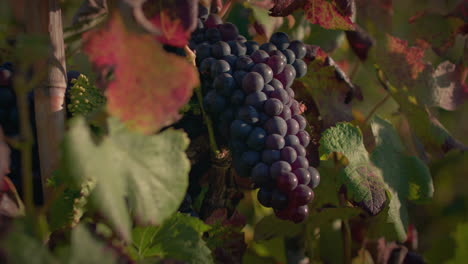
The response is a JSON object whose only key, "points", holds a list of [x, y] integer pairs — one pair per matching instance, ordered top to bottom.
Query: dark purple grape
{"points": [[202, 12], [213, 21], [228, 31], [212, 35], [241, 39], [280, 39], [252, 46], [268, 47], [237, 48], [298, 48], [220, 49], [203, 51], [280, 54], [259, 56], [290, 56], [231, 59], [244, 63], [276, 64], [205, 66], [218, 67], [301, 68], [264, 70], [239, 77], [286, 77], [252, 82], [224, 84], [276, 84], [267, 89], [291, 92], [281, 95], [237, 97], [256, 99], [213, 102], [273, 107], [295, 108], [248, 114], [286, 114], [227, 115], [263, 118], [301, 121], [276, 125], [293, 127], [240, 129], [304, 138], [256, 139], [291, 140], [274, 141], [238, 147], [300, 150], [288, 154], [269, 156], [250, 158], [301, 162], [241, 167], [279, 167], [261, 174], [303, 175], [314, 178], [286, 182], [301, 195], [264, 196], [279, 200], [283, 213], [299, 214]]}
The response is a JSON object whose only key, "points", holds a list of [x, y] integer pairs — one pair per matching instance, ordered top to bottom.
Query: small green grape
{"points": [[85, 97]]}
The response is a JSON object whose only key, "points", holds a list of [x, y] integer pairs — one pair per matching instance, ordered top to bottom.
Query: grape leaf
{"points": [[328, 14], [334, 14], [175, 19], [437, 30], [360, 41], [149, 85], [327, 86], [416, 86], [149, 173], [407, 178], [363, 181], [326, 216], [271, 226], [179, 237], [461, 238], [85, 248]]}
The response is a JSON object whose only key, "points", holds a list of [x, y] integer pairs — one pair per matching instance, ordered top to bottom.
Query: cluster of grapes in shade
{"points": [[248, 93]]}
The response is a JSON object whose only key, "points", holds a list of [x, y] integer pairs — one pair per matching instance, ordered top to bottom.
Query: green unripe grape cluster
{"points": [[84, 97]]}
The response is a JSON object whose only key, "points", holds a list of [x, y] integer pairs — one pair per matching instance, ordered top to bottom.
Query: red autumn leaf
{"points": [[286, 7], [328, 14], [175, 19], [438, 30], [150, 85]]}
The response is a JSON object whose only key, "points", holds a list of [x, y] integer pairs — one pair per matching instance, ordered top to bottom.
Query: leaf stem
{"points": [[376, 107]]}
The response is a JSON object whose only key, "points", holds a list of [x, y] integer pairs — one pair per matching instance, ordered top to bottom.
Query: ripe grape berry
{"points": [[247, 90]]}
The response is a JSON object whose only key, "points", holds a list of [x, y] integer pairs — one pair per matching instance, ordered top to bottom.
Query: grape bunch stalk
{"points": [[247, 91]]}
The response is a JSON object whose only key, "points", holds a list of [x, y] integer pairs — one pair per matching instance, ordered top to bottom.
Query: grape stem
{"points": [[376, 107], [208, 123], [345, 232]]}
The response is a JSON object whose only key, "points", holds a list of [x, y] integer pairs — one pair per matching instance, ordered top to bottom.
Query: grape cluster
{"points": [[248, 93], [83, 97]]}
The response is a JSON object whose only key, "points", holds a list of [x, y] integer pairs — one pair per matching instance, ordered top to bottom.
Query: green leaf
{"points": [[148, 173], [407, 177], [363, 181], [326, 216], [271, 226], [179, 237], [461, 239], [21, 248], [87, 249]]}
